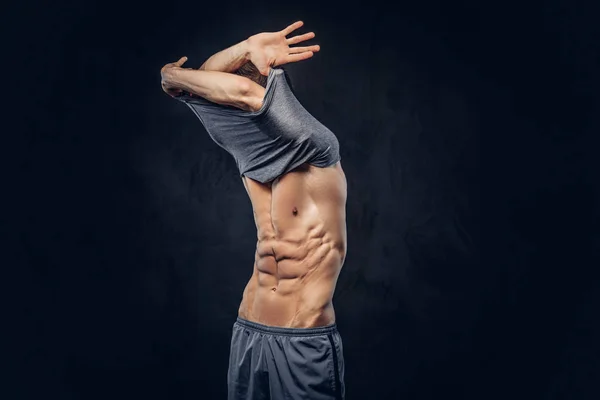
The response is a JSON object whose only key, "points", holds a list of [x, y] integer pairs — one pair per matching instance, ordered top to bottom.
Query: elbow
{"points": [[244, 88]]}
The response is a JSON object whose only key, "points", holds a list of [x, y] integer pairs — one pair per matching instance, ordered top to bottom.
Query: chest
{"points": [[297, 203]]}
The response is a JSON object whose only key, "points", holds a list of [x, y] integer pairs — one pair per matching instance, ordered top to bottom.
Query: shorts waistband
{"points": [[277, 330]]}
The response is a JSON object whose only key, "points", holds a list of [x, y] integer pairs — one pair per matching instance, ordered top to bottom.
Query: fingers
{"points": [[291, 28], [300, 38], [302, 49], [299, 56], [180, 62], [175, 64]]}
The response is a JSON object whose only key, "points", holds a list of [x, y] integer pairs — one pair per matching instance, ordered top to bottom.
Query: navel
{"points": [[295, 211]]}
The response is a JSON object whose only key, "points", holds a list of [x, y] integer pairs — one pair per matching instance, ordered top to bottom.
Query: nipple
{"points": [[295, 211]]}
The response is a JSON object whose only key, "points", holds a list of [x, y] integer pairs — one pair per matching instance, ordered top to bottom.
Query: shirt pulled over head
{"points": [[272, 141]]}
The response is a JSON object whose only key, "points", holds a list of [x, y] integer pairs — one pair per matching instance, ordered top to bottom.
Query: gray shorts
{"points": [[267, 362]]}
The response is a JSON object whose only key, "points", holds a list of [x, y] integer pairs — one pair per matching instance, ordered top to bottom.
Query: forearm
{"points": [[228, 60], [215, 86]]}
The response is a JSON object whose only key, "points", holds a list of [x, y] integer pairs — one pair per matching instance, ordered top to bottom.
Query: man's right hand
{"points": [[270, 49], [164, 75]]}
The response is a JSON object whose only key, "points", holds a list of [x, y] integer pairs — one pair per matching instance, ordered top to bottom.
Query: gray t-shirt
{"points": [[269, 142]]}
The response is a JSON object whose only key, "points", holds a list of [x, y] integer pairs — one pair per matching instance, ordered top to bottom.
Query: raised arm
{"points": [[264, 50], [228, 60], [218, 87]]}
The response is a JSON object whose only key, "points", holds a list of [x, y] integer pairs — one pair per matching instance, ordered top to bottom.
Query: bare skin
{"points": [[301, 216], [301, 223]]}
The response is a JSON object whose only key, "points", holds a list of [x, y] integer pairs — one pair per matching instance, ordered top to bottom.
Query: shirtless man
{"points": [[285, 344]]}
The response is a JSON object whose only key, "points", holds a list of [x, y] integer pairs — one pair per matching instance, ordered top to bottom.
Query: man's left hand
{"points": [[270, 49]]}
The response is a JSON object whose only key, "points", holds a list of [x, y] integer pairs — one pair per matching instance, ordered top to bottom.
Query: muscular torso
{"points": [[301, 223]]}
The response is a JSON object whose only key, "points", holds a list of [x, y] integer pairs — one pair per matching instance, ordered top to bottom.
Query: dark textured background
{"points": [[469, 137]]}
